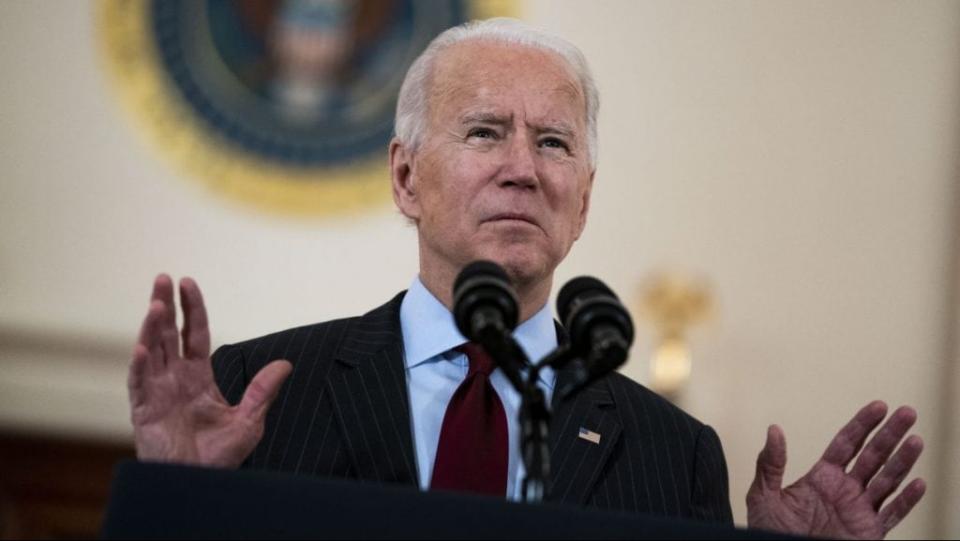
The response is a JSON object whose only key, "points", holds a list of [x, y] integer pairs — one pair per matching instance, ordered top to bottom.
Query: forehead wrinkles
{"points": [[472, 75]]}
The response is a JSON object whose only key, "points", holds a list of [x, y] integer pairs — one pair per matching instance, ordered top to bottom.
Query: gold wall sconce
{"points": [[673, 303]]}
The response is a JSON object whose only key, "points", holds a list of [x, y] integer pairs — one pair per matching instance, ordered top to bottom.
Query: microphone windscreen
{"points": [[480, 268], [483, 285], [580, 287]]}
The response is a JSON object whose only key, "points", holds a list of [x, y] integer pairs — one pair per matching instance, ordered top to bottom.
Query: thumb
{"points": [[264, 389], [772, 461]]}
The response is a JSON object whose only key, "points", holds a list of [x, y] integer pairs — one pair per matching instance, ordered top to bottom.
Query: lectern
{"points": [[168, 501]]}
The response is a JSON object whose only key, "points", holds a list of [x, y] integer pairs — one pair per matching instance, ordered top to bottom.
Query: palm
{"points": [[178, 413], [187, 417], [830, 501], [825, 503]]}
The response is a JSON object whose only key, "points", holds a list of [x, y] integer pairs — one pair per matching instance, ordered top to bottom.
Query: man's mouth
{"points": [[512, 216]]}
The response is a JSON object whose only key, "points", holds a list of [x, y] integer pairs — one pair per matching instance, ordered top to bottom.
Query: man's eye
{"points": [[482, 133], [553, 142]]}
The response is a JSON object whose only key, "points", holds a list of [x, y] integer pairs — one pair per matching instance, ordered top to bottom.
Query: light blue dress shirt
{"points": [[434, 371]]}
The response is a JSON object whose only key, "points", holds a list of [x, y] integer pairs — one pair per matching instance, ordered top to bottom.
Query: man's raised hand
{"points": [[178, 413], [830, 500]]}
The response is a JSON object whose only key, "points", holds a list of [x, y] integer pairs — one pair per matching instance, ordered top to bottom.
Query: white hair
{"points": [[412, 105]]}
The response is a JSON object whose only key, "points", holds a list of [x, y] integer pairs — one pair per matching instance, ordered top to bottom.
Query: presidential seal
{"points": [[283, 104]]}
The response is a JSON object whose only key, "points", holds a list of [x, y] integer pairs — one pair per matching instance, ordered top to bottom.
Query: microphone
{"points": [[484, 304], [486, 311], [600, 329]]}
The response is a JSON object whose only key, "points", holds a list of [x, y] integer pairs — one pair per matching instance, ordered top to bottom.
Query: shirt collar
{"points": [[429, 331]]}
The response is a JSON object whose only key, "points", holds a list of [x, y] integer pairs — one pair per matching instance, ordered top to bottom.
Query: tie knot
{"points": [[479, 360]]}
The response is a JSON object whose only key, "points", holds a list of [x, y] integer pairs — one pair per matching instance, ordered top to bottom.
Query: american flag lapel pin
{"points": [[589, 435]]}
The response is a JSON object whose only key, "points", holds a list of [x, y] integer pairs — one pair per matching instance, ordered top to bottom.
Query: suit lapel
{"points": [[368, 383], [576, 462]]}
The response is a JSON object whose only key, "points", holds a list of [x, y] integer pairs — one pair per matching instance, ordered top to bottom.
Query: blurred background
{"points": [[795, 163]]}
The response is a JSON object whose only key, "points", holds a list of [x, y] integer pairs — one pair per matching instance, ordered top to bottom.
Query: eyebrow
{"points": [[486, 118], [559, 128]]}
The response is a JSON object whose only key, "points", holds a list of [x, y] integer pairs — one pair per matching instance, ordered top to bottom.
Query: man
{"points": [[494, 159]]}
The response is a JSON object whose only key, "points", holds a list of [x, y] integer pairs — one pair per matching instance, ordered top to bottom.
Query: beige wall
{"points": [[803, 156]]}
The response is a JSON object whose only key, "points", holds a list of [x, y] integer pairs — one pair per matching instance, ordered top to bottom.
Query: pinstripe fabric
{"points": [[344, 412], [652, 458]]}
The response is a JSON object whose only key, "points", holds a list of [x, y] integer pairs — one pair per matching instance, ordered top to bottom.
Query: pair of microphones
{"points": [[599, 328]]}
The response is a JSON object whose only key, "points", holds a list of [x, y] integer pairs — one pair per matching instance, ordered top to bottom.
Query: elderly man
{"points": [[494, 159]]}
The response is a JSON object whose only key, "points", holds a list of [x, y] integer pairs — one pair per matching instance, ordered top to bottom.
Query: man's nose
{"points": [[520, 165]]}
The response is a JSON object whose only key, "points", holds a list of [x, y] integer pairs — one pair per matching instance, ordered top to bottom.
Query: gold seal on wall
{"points": [[286, 105]]}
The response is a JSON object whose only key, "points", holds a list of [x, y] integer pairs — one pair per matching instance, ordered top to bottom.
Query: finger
{"points": [[163, 292], [157, 295], [196, 330], [151, 337], [169, 338], [137, 375], [264, 389], [847, 443], [882, 444], [772, 461], [895, 471], [900, 507]]}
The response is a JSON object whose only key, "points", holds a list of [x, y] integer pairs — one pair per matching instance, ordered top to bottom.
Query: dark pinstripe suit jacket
{"points": [[344, 413]]}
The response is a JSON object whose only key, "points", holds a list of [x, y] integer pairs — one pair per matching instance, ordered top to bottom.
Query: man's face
{"points": [[503, 172]]}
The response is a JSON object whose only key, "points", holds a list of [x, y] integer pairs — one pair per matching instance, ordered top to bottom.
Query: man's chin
{"points": [[523, 266]]}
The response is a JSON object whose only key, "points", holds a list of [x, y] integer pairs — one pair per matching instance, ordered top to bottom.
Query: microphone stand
{"points": [[507, 354], [534, 411], [534, 415], [534, 438]]}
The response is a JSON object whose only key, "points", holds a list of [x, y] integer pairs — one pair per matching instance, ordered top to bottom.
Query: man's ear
{"points": [[403, 180], [585, 205]]}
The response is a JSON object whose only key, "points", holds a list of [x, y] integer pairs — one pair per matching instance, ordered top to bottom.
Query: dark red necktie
{"points": [[472, 453]]}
